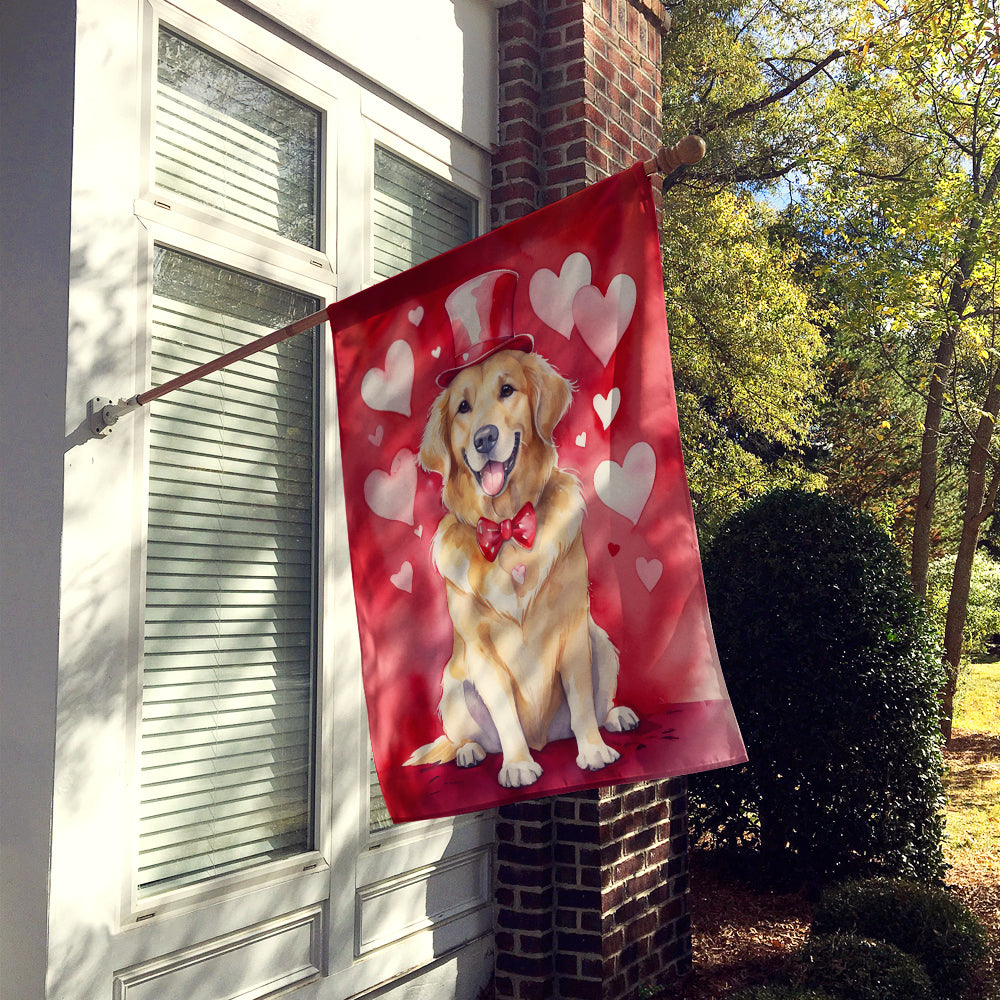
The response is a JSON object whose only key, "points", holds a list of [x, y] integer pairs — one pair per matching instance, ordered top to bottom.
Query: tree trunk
{"points": [[958, 300], [979, 501], [920, 554]]}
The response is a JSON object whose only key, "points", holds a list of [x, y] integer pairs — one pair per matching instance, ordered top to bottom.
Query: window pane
{"points": [[230, 141], [416, 217], [228, 666]]}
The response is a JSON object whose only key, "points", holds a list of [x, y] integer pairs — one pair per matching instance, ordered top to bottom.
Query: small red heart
{"points": [[613, 548]]}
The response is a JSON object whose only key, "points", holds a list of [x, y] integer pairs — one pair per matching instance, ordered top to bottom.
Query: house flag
{"points": [[526, 573]]}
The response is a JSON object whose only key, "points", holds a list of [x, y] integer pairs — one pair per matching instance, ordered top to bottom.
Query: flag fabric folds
{"points": [[526, 573]]}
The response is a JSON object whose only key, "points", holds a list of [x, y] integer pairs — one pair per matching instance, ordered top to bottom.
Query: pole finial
{"points": [[668, 158]]}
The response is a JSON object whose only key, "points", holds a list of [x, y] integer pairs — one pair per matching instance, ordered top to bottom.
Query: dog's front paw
{"points": [[621, 720], [470, 754], [594, 756], [519, 774]]}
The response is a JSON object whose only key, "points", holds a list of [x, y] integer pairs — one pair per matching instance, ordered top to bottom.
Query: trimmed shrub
{"points": [[833, 672], [926, 922], [856, 968]]}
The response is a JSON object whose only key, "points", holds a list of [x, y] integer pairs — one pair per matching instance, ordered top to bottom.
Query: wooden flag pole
{"points": [[103, 413]]}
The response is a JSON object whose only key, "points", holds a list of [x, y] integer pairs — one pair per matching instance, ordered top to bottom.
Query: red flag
{"points": [[526, 571]]}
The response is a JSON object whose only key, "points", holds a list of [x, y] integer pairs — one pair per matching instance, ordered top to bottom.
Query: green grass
{"points": [[977, 702], [973, 783]]}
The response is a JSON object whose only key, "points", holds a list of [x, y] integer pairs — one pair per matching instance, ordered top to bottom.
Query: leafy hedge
{"points": [[833, 672], [924, 921], [855, 968]]}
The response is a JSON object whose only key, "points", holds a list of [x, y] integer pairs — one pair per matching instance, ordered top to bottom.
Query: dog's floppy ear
{"points": [[551, 394], [435, 449]]}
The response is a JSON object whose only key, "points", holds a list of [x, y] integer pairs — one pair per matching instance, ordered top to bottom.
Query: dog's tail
{"points": [[441, 751]]}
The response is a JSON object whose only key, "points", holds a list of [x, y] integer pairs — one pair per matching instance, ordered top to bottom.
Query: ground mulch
{"points": [[742, 935]]}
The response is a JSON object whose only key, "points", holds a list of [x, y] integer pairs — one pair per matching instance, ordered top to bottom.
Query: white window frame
{"points": [[180, 224], [351, 873]]}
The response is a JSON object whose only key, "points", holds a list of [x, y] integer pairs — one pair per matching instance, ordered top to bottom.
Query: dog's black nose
{"points": [[485, 439]]}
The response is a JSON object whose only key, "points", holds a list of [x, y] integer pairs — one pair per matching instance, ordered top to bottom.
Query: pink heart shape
{"points": [[552, 295], [603, 319], [389, 388], [607, 406], [625, 488], [391, 494], [649, 571], [518, 573], [402, 579]]}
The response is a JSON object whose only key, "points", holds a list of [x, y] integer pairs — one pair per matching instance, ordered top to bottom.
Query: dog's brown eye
{"points": [[506, 390], [464, 407]]}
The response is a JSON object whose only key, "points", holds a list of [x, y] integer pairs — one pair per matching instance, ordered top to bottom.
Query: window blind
{"points": [[225, 139], [416, 216], [228, 667]]}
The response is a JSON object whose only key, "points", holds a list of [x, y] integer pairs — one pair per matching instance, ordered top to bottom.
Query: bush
{"points": [[833, 673], [925, 922], [855, 968]]}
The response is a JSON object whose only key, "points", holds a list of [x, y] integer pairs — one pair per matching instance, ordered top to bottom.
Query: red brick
{"points": [[518, 49], [564, 54], [520, 92], [523, 111], [552, 117], [573, 988]]}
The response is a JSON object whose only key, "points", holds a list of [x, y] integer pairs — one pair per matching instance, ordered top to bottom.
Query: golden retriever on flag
{"points": [[529, 665]]}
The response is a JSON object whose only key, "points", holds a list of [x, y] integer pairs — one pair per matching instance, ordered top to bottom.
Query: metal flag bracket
{"points": [[103, 413]]}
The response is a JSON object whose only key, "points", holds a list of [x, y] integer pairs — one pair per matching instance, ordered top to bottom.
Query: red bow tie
{"points": [[521, 527]]}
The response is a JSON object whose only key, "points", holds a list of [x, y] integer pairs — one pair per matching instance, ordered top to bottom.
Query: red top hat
{"points": [[482, 321]]}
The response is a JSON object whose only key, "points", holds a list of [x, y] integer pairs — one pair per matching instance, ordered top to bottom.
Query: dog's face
{"points": [[489, 433]]}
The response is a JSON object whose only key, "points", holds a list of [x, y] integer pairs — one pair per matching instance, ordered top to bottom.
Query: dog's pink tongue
{"points": [[492, 478]]}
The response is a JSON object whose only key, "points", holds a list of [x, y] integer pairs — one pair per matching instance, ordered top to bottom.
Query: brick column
{"points": [[579, 96], [591, 889]]}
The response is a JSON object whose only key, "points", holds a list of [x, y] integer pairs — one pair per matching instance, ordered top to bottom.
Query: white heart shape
{"points": [[552, 295], [416, 315], [603, 319], [436, 353], [389, 388], [607, 406], [376, 438], [581, 439], [625, 488], [391, 494], [419, 531], [649, 571], [518, 573], [402, 579]]}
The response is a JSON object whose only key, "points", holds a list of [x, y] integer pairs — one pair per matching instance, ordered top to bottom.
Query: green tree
{"points": [[880, 122], [912, 192], [747, 354], [747, 358]]}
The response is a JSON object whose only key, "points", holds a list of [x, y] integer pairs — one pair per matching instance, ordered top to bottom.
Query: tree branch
{"points": [[754, 106]]}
